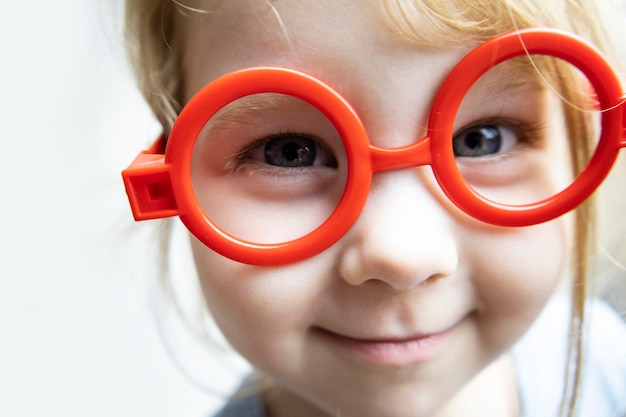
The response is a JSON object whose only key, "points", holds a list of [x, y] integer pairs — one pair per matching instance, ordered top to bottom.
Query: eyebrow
{"points": [[511, 78], [247, 107]]}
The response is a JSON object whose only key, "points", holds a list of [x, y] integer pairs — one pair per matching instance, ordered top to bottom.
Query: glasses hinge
{"points": [[149, 187]]}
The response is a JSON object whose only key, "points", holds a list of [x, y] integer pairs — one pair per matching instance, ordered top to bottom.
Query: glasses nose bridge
{"points": [[410, 156]]}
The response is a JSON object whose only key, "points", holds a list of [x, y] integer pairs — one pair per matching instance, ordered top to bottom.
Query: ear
{"points": [[149, 187]]}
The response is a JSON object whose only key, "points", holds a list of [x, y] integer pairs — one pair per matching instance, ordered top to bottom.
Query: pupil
{"points": [[474, 140], [290, 152], [293, 152]]}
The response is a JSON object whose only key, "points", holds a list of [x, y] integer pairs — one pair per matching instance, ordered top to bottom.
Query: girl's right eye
{"points": [[291, 150]]}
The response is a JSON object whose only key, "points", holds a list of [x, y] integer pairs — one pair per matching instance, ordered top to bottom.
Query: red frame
{"points": [[159, 183]]}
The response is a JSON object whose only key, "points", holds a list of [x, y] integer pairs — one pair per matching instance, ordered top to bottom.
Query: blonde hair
{"points": [[155, 38]]}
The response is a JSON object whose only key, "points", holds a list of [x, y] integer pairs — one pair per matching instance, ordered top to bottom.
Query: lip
{"points": [[391, 352]]}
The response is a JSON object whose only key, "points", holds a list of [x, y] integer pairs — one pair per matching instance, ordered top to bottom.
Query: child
{"points": [[400, 293]]}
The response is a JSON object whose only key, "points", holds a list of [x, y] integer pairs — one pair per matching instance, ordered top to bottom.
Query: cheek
{"points": [[515, 273], [261, 311]]}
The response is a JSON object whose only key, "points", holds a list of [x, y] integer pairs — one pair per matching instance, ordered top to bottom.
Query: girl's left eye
{"points": [[483, 140], [292, 151]]}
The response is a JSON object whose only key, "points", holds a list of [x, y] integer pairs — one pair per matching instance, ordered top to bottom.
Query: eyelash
{"points": [[529, 133], [241, 160]]}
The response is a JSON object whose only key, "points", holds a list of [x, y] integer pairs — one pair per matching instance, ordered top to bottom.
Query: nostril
{"points": [[433, 278]]}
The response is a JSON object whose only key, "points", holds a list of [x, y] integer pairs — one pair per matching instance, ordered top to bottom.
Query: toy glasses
{"points": [[270, 166]]}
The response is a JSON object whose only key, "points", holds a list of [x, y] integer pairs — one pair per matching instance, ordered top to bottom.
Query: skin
{"points": [[411, 265]]}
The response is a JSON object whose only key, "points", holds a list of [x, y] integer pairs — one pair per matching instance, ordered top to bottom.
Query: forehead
{"points": [[426, 22], [241, 31], [332, 39]]}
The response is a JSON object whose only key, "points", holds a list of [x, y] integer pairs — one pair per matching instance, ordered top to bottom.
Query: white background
{"points": [[77, 336]]}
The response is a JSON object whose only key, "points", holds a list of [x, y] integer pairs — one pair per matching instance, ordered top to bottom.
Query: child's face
{"points": [[417, 297]]}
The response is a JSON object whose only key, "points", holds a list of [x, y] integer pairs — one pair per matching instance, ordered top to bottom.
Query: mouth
{"points": [[390, 352]]}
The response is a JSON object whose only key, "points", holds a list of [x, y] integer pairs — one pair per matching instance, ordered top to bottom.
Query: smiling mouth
{"points": [[390, 352]]}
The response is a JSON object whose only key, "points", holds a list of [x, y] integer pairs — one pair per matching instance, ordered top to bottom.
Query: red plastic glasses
{"points": [[247, 173]]}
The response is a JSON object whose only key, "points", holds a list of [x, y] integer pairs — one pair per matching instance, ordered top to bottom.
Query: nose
{"points": [[403, 236]]}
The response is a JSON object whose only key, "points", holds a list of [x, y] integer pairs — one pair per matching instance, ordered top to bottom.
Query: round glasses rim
{"points": [[535, 41]]}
